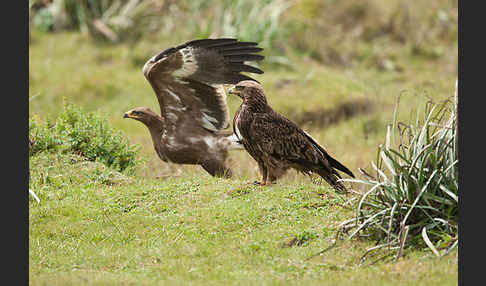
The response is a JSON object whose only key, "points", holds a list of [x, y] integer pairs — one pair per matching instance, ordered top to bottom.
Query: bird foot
{"points": [[257, 183]]}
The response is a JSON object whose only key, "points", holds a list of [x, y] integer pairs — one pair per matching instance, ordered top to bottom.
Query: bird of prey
{"points": [[188, 82], [276, 143]]}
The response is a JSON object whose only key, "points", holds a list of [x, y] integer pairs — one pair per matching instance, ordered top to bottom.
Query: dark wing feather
{"points": [[207, 42], [240, 50], [241, 58], [189, 78], [282, 139], [331, 160]]}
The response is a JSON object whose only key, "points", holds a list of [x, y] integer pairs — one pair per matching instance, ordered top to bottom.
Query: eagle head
{"points": [[250, 91], [142, 114]]}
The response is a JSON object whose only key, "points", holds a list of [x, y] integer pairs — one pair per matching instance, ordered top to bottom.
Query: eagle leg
{"points": [[264, 171]]}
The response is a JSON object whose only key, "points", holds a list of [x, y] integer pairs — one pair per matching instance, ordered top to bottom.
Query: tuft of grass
{"points": [[84, 134], [412, 201], [302, 239]]}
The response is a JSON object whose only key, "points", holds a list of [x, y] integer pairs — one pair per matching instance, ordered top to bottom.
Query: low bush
{"points": [[85, 134]]}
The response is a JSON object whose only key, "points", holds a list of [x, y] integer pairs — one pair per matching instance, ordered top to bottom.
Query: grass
{"points": [[172, 224], [195, 230]]}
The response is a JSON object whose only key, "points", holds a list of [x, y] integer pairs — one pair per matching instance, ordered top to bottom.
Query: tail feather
{"points": [[334, 163], [328, 174], [332, 179]]}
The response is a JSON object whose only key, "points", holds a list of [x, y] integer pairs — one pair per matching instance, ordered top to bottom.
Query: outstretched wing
{"points": [[188, 79]]}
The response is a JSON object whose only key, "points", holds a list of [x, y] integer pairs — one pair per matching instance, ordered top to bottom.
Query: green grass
{"points": [[172, 224], [97, 226]]}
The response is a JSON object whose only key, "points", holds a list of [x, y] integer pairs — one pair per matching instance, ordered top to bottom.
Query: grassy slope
{"points": [[94, 225]]}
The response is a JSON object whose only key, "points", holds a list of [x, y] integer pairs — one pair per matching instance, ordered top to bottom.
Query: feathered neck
{"points": [[256, 104], [155, 124]]}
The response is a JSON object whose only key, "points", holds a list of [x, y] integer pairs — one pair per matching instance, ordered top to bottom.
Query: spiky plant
{"points": [[412, 201]]}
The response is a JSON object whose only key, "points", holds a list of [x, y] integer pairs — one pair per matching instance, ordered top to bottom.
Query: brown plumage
{"points": [[188, 82], [276, 143]]}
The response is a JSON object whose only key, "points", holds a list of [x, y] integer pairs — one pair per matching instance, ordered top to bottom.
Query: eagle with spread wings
{"points": [[188, 82], [276, 143]]}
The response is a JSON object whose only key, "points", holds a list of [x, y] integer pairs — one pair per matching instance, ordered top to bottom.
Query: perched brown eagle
{"points": [[188, 81], [276, 143]]}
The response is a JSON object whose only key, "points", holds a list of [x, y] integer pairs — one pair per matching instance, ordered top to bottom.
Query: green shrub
{"points": [[85, 134], [413, 201]]}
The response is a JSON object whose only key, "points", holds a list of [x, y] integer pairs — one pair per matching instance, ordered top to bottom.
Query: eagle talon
{"points": [[258, 183]]}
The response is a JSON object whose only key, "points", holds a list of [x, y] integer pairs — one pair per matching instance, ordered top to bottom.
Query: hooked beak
{"points": [[232, 90], [127, 114]]}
